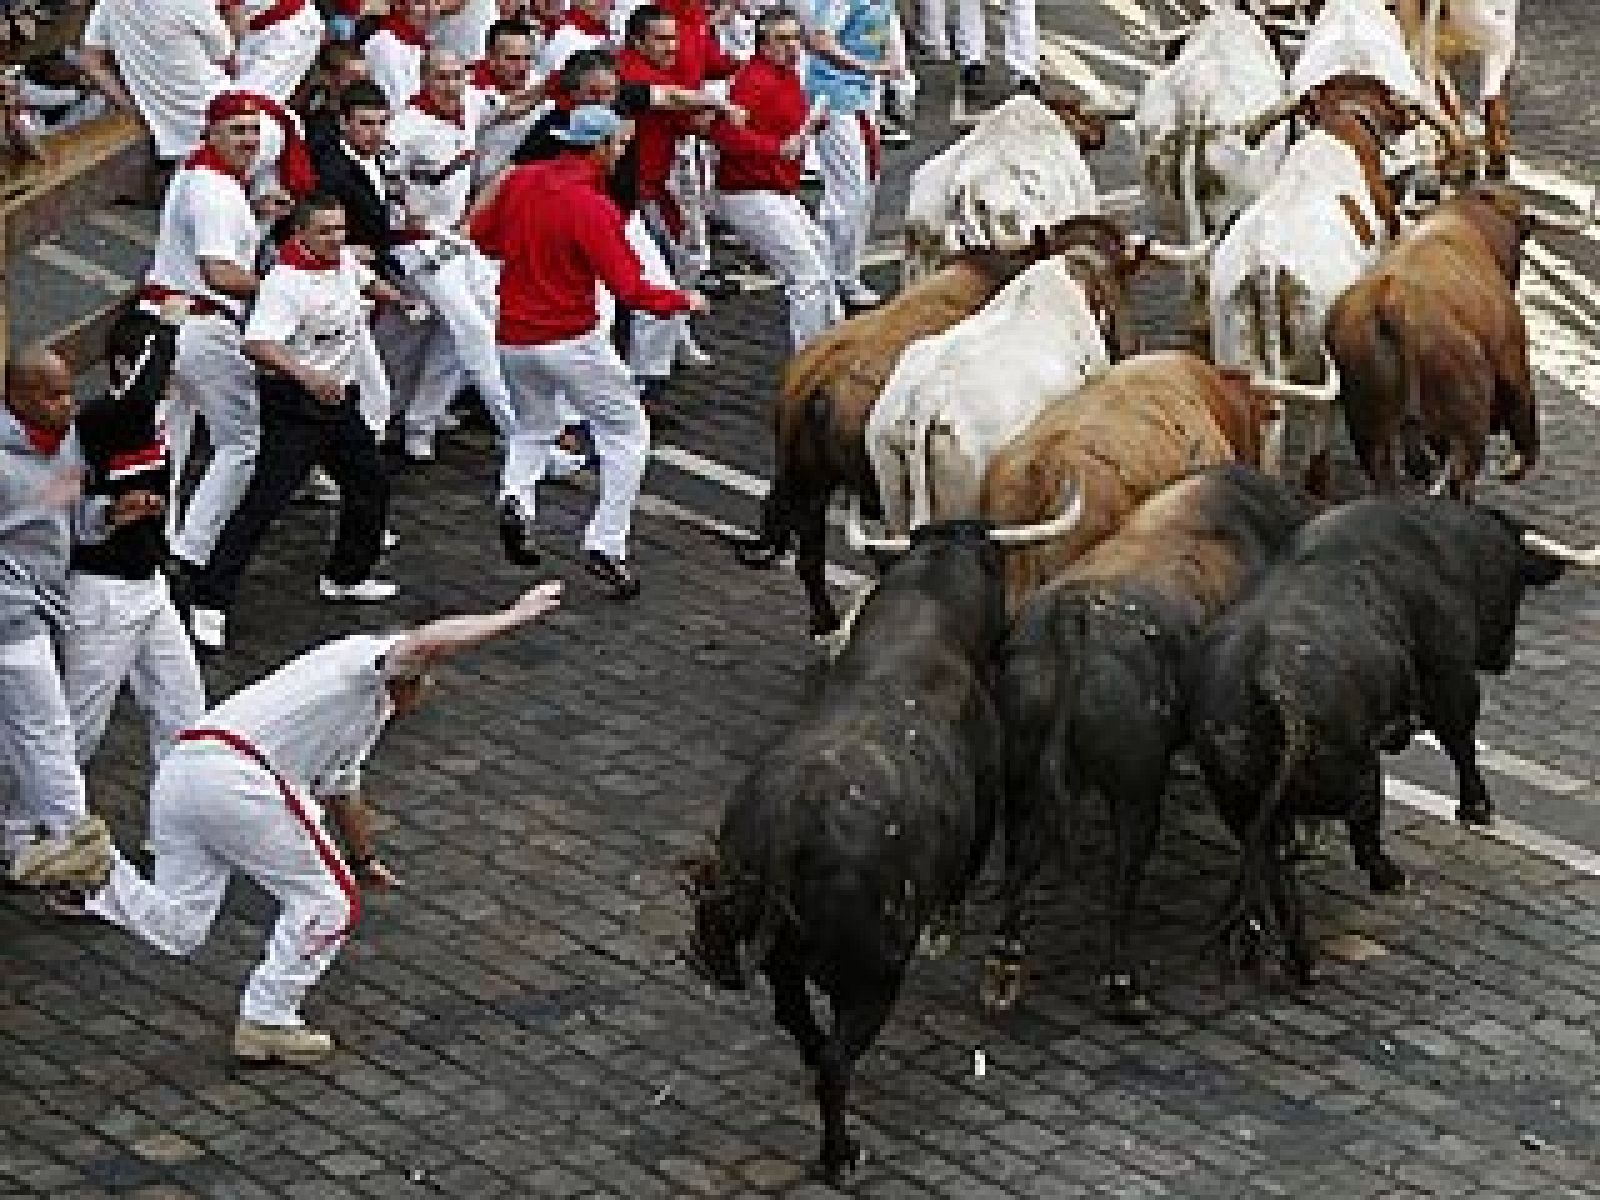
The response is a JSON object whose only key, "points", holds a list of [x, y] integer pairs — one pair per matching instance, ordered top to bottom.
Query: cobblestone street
{"points": [[516, 1021]]}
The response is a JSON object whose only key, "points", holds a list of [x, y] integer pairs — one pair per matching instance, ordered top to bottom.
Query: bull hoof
{"points": [[1515, 469], [757, 553], [1478, 815], [1384, 876], [936, 941], [1004, 972], [1304, 973], [1125, 1002], [839, 1162]]}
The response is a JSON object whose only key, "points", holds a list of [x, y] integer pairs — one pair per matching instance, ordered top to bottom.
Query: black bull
{"points": [[1372, 625], [1090, 689], [867, 822]]}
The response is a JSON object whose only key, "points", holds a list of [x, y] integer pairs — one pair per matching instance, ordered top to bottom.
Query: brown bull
{"points": [[1431, 346], [823, 403], [1123, 436]]}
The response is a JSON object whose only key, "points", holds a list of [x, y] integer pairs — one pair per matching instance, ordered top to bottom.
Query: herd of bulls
{"points": [[1090, 561]]}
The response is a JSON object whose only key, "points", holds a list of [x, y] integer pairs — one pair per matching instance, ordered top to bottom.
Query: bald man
{"points": [[50, 838]]}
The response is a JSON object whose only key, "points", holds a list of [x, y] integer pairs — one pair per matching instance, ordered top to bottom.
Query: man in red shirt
{"points": [[758, 172], [557, 233]]}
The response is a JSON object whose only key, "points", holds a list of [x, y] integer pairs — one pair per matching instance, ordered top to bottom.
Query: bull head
{"points": [[1255, 132], [1006, 537]]}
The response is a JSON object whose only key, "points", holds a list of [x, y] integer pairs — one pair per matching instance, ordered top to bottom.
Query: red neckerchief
{"points": [[584, 23], [549, 25], [405, 31], [481, 76], [423, 102], [207, 159], [295, 171], [295, 253], [45, 441]]}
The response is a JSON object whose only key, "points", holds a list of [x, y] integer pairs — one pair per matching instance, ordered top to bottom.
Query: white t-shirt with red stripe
{"points": [[433, 159], [206, 214], [317, 315]]}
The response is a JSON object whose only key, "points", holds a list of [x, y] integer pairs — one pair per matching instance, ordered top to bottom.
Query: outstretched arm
{"points": [[438, 640]]}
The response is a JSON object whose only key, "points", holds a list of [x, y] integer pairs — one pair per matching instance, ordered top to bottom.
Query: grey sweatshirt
{"points": [[35, 540]]}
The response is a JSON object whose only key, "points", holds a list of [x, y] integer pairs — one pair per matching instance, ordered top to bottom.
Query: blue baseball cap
{"points": [[590, 125]]}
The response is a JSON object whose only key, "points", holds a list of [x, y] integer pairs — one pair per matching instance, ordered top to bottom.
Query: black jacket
{"points": [[366, 212], [124, 452]]}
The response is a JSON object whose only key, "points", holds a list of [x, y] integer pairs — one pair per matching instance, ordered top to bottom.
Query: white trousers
{"points": [[1490, 25], [1021, 34], [275, 60], [690, 185], [849, 191], [777, 227], [455, 290], [651, 340], [586, 371], [212, 378], [127, 630], [39, 773], [213, 812]]}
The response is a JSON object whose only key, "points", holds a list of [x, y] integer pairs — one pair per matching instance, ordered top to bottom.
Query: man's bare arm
{"points": [[97, 66], [438, 640]]}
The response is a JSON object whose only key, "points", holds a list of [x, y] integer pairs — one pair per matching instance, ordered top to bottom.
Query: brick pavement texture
{"points": [[517, 1023]]}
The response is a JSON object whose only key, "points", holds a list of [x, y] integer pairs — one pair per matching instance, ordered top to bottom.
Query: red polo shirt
{"points": [[700, 55], [656, 131], [748, 158], [557, 233]]}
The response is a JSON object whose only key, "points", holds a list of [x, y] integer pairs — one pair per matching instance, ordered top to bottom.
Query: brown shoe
{"points": [[292, 1045]]}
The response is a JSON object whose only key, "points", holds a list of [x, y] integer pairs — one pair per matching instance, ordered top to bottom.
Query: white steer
{"points": [[1021, 168], [1196, 169], [957, 397]]}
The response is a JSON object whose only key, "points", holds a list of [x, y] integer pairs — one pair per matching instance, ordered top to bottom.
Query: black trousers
{"points": [[297, 433]]}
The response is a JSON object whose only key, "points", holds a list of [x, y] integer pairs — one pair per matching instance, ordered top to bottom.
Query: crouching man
{"points": [[244, 790]]}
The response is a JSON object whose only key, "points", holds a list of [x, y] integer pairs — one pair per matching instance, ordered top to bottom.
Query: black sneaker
{"points": [[973, 75], [1029, 85], [517, 534], [614, 573]]}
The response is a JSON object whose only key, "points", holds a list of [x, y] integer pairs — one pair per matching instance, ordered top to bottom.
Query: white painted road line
{"points": [[115, 223], [58, 256], [1534, 774], [1585, 862]]}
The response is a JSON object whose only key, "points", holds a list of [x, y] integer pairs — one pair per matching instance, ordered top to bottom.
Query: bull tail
{"points": [[1395, 327], [1251, 897]]}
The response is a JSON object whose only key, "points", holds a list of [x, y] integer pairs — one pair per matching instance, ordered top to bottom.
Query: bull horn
{"points": [[1107, 112], [1255, 132], [1555, 223], [1177, 256], [1321, 394], [1027, 535], [861, 543], [1544, 544]]}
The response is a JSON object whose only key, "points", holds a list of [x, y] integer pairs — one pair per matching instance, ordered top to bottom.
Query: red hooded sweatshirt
{"points": [[656, 131], [748, 158], [556, 233]]}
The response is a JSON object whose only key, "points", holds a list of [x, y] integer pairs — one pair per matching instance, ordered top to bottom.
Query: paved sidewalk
{"points": [[516, 1023]]}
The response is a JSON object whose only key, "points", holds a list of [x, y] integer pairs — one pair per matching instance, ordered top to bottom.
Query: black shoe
{"points": [[973, 75], [1031, 86], [517, 534], [614, 573]]}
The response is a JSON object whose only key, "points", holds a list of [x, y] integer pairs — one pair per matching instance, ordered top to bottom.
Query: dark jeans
{"points": [[297, 433]]}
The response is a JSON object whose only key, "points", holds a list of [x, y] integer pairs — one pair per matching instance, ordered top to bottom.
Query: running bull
{"points": [[1431, 347], [1372, 624], [1090, 690], [868, 821]]}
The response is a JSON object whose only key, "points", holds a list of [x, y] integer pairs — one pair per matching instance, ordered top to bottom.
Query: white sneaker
{"points": [[859, 295], [689, 354], [447, 423], [418, 445], [563, 464], [322, 487], [368, 591], [209, 628], [80, 856], [294, 1045]]}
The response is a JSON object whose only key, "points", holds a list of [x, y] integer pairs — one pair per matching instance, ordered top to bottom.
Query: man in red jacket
{"points": [[758, 172], [557, 233]]}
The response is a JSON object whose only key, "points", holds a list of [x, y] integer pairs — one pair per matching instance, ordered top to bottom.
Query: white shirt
{"points": [[466, 31], [566, 41], [169, 55], [395, 66], [498, 140], [434, 159], [206, 215], [316, 315], [317, 717]]}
